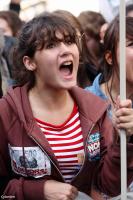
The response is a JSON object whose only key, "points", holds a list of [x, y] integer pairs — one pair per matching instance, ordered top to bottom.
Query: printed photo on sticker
{"points": [[33, 162]]}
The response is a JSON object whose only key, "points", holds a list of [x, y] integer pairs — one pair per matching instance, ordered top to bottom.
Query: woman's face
{"points": [[130, 14], [4, 27], [129, 60], [56, 65]]}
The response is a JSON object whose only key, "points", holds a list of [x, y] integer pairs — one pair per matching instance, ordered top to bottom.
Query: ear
{"points": [[108, 57], [29, 63]]}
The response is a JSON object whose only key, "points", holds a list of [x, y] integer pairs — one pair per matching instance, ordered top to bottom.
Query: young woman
{"points": [[91, 23], [86, 69], [106, 85], [54, 140]]}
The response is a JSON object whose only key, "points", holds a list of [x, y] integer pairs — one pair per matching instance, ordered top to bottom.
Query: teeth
{"points": [[67, 63]]}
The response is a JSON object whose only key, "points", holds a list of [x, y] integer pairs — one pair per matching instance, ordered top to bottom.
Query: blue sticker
{"points": [[94, 147]]}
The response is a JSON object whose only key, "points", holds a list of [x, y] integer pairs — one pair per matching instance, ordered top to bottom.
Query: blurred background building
{"points": [[30, 8]]}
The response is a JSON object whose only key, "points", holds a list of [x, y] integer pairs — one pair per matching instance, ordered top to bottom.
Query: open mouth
{"points": [[66, 68]]}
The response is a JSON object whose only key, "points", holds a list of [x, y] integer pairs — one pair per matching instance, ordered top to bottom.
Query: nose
{"points": [[64, 49]]}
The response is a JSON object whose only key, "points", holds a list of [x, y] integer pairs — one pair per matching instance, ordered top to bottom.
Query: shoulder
{"points": [[95, 87], [86, 95], [89, 102], [3, 105], [9, 105], [5, 108]]}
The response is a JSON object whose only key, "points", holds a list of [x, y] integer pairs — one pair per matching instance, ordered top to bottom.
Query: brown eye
{"points": [[69, 41], [51, 45]]}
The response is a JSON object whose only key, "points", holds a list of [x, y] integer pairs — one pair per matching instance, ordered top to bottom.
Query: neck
{"points": [[112, 89], [50, 99], [51, 106]]}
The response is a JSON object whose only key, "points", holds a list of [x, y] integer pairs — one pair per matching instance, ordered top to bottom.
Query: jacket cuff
{"points": [[34, 189]]}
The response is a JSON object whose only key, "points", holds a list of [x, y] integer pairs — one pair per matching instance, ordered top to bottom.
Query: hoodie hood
{"points": [[17, 98]]}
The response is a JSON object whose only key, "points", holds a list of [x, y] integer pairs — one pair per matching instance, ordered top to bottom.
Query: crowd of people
{"points": [[60, 110]]}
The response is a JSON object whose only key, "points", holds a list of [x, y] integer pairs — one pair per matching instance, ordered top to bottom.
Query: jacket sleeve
{"points": [[108, 177], [11, 185], [18, 188], [22, 189]]}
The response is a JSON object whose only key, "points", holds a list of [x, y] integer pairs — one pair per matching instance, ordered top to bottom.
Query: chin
{"points": [[69, 85]]}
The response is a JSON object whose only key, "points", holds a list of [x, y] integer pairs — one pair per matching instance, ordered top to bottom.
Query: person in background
{"points": [[15, 6], [129, 10], [71, 19], [10, 23], [91, 23], [103, 31], [7, 44], [1, 47], [87, 69], [4, 71], [107, 84], [1, 93], [47, 113]]}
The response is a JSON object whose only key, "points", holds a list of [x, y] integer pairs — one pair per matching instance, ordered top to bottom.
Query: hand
{"points": [[124, 116], [54, 190]]}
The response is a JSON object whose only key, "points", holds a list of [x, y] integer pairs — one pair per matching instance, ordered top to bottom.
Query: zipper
{"points": [[84, 152], [47, 156]]}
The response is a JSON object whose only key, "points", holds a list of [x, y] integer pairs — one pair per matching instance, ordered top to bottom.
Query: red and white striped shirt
{"points": [[66, 141]]}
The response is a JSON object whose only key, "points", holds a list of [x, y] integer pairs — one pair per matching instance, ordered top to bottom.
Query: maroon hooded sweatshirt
{"points": [[20, 135]]}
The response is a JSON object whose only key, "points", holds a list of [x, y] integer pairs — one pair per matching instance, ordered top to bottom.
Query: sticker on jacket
{"points": [[94, 147], [32, 163]]}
